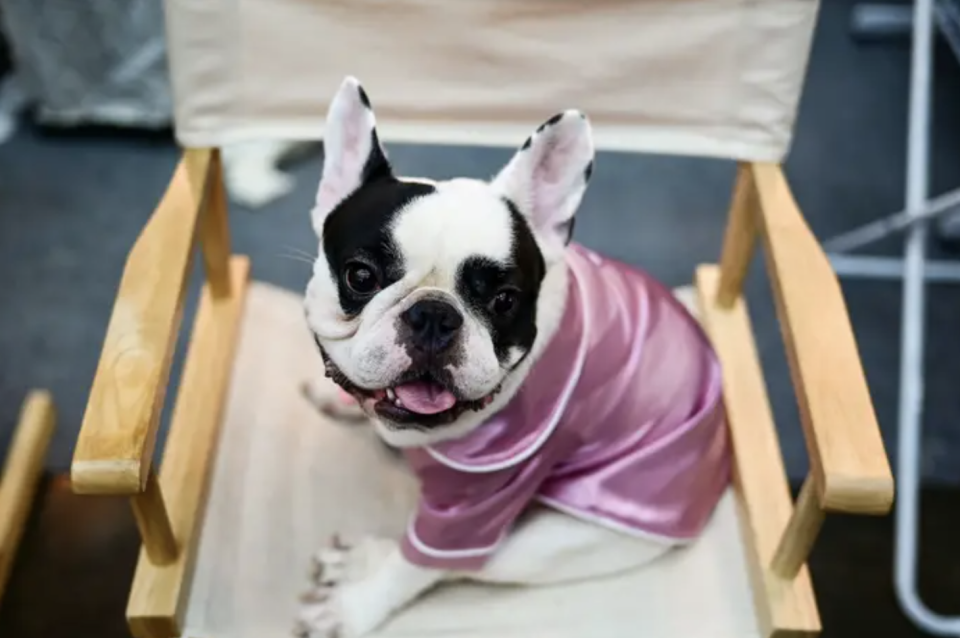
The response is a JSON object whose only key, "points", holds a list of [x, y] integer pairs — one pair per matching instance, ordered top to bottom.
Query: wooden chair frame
{"points": [[849, 468], [21, 474]]}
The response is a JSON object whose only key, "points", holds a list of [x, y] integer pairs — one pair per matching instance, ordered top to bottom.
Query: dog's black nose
{"points": [[433, 324]]}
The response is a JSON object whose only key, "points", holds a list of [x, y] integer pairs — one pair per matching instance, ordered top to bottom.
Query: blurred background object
{"points": [[881, 22], [924, 22], [91, 62], [104, 63]]}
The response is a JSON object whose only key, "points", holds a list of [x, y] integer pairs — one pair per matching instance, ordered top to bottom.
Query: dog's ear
{"points": [[352, 153], [547, 177]]}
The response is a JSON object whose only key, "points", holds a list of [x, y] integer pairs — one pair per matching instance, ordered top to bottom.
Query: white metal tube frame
{"points": [[940, 206], [914, 271]]}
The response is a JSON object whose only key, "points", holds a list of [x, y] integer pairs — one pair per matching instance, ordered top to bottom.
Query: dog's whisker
{"points": [[299, 251], [300, 258]]}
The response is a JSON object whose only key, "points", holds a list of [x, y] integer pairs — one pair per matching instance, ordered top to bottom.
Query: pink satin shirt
{"points": [[620, 422]]}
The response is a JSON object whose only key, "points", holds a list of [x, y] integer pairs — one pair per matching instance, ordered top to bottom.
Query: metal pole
{"points": [[945, 204], [870, 267], [911, 360]]}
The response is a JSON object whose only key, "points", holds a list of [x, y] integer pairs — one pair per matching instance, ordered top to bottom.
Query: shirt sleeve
{"points": [[462, 517]]}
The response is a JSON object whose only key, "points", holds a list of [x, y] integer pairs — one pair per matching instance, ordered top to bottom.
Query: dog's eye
{"points": [[361, 278], [504, 302]]}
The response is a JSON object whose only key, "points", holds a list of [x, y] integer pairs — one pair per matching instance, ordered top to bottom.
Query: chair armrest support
{"points": [[115, 447], [848, 462], [801, 533]]}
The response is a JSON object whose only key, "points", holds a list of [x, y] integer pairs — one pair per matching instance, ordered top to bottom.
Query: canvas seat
{"points": [[285, 477], [253, 479]]}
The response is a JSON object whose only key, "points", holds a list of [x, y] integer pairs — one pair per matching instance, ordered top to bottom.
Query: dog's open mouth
{"points": [[421, 397], [418, 399], [424, 401]]}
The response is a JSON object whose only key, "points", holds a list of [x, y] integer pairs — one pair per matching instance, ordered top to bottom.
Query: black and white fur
{"points": [[458, 243]]}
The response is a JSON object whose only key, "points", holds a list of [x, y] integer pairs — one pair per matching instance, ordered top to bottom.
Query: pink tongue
{"points": [[424, 398]]}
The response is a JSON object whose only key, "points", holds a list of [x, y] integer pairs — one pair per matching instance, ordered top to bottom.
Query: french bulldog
{"points": [[561, 410]]}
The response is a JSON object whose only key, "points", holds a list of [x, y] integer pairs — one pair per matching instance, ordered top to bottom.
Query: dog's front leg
{"points": [[358, 586]]}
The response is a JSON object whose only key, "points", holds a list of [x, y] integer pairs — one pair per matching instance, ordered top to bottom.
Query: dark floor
{"points": [[71, 205]]}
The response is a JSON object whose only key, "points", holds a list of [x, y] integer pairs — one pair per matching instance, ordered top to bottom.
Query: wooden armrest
{"points": [[115, 448], [847, 458], [848, 464]]}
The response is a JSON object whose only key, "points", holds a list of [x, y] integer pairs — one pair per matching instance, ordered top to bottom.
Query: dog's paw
{"points": [[329, 399], [328, 564], [345, 601], [346, 610], [319, 616]]}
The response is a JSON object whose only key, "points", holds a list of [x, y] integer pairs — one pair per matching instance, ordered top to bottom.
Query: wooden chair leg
{"points": [[22, 473]]}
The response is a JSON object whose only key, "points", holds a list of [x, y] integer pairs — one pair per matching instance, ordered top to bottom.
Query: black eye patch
{"points": [[359, 228], [480, 280]]}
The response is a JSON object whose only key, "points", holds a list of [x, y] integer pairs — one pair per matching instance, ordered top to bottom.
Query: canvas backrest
{"points": [[696, 77]]}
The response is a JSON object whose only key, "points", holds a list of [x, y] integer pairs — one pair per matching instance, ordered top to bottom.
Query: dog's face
{"points": [[430, 300]]}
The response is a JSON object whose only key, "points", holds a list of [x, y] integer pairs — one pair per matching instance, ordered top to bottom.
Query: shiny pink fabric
{"points": [[620, 422]]}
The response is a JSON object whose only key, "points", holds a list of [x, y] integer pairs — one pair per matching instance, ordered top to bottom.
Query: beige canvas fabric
{"points": [[696, 77], [285, 478]]}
